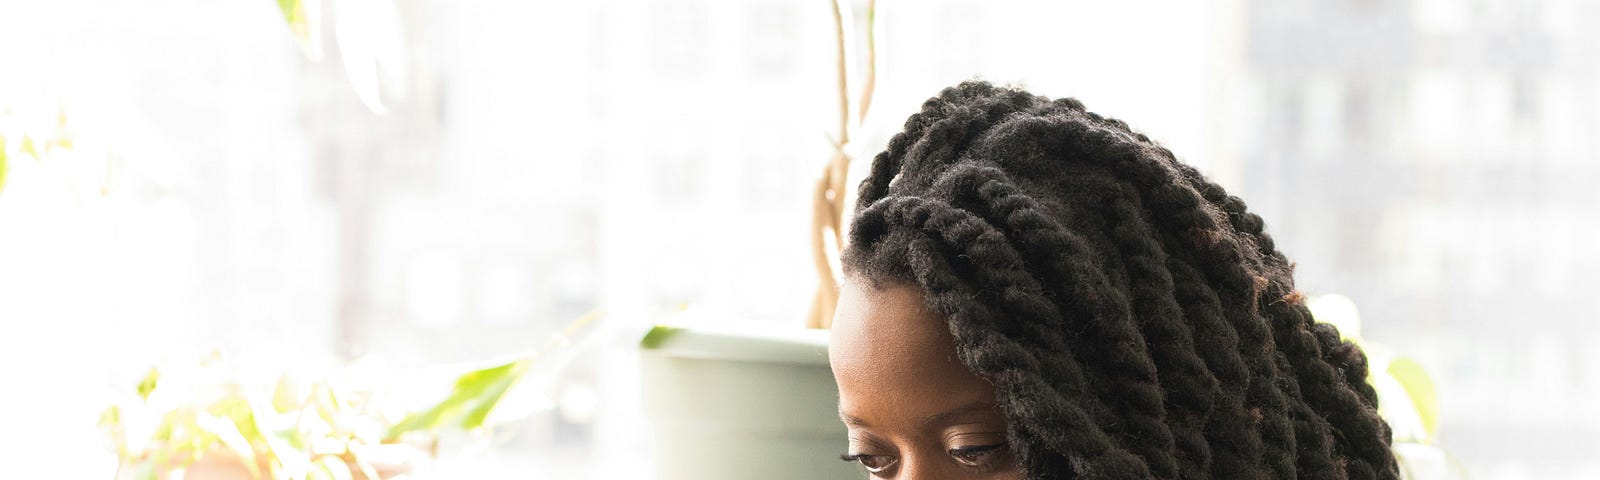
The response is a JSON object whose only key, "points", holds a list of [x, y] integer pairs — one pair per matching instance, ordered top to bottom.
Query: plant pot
{"points": [[723, 404]]}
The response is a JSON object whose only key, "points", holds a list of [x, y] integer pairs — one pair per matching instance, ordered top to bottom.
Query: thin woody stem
{"points": [[844, 74], [871, 80], [829, 200]]}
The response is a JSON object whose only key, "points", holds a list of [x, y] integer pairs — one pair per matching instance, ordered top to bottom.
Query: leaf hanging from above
{"points": [[304, 20]]}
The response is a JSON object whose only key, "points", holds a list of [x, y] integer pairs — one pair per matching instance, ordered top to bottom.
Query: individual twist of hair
{"points": [[1135, 320]]}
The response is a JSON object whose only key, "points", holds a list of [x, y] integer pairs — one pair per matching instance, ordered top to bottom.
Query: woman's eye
{"points": [[977, 455], [873, 463]]}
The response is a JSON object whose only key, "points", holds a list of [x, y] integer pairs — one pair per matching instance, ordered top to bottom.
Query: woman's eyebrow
{"points": [[978, 406], [851, 420]]}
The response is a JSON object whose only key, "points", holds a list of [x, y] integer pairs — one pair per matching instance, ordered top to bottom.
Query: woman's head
{"points": [[1087, 306], [913, 409]]}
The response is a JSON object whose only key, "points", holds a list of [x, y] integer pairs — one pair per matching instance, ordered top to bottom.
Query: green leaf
{"points": [[294, 13], [304, 19], [27, 147], [2, 163], [657, 336], [148, 384], [1419, 386], [495, 389], [286, 394], [475, 395], [326, 403], [238, 411], [110, 417], [110, 423], [164, 428], [228, 433], [289, 449], [147, 471]]}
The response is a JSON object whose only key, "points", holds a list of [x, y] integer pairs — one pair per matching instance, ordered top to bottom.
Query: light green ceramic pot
{"points": [[742, 404]]}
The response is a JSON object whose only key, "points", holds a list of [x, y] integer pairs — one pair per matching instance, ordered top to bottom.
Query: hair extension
{"points": [[1135, 320]]}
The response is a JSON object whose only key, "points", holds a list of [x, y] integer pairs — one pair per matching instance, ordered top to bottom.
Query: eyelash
{"points": [[978, 451], [963, 455], [859, 458]]}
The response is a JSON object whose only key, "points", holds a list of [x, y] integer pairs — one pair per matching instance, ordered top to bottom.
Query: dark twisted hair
{"points": [[1135, 320]]}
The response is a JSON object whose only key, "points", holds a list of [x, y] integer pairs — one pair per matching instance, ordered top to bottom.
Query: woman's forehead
{"points": [[889, 327], [891, 356]]}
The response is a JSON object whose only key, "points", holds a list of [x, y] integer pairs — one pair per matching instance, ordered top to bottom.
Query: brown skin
{"points": [[913, 410]]}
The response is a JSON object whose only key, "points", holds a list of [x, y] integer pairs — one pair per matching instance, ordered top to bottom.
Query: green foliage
{"points": [[294, 14], [33, 143], [26, 146], [2, 163], [657, 336], [148, 384], [1419, 387], [476, 393], [174, 418], [290, 429], [228, 430], [297, 430]]}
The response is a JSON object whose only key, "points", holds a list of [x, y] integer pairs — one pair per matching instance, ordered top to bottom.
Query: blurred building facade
{"points": [[1436, 160]]}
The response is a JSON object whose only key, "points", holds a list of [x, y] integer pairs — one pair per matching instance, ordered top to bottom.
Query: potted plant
{"points": [[722, 399], [725, 400], [204, 421]]}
